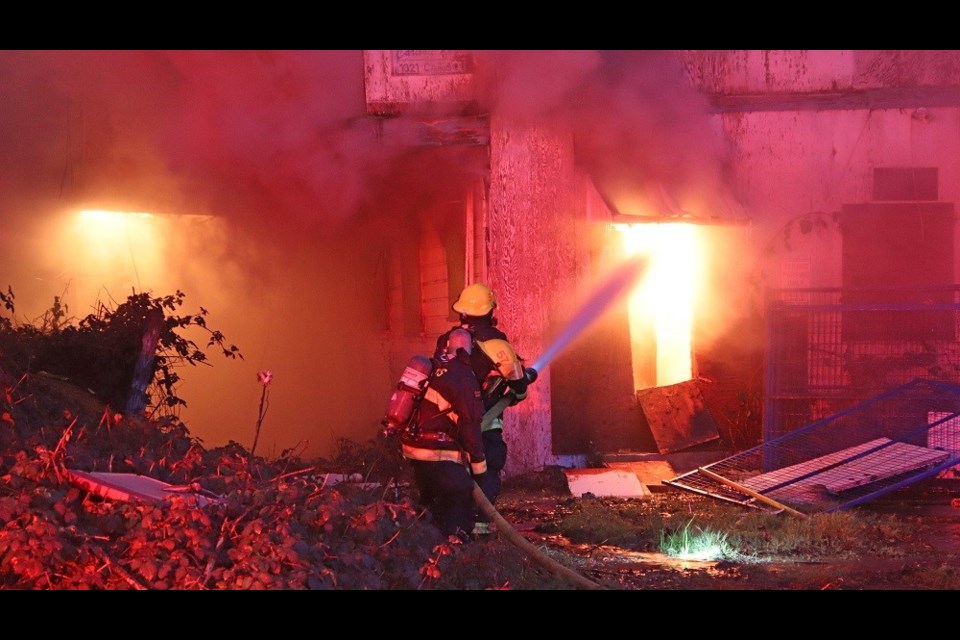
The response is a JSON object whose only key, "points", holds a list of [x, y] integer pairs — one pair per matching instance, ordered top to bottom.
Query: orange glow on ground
{"points": [[661, 307]]}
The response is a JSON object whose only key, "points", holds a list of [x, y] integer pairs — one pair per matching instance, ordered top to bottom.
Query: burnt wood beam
{"points": [[469, 130]]}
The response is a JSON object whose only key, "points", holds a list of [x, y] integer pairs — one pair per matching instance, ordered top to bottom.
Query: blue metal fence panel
{"points": [[828, 349], [861, 397], [868, 449]]}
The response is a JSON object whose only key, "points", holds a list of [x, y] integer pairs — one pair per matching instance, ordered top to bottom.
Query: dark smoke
{"points": [[636, 122], [276, 144]]}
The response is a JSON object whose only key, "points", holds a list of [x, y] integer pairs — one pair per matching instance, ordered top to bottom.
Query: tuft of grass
{"points": [[664, 520], [593, 522], [838, 534], [695, 543], [944, 577]]}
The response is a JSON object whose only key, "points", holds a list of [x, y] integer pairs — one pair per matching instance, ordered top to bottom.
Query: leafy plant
{"points": [[7, 300], [99, 352]]}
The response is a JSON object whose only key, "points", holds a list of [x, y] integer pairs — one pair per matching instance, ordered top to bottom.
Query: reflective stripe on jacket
{"points": [[432, 395], [411, 452]]}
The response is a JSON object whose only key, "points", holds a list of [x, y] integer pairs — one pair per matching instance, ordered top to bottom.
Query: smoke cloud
{"points": [[638, 125], [275, 146]]}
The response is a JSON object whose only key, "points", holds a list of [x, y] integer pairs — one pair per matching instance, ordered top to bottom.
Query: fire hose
{"points": [[513, 536], [531, 550]]}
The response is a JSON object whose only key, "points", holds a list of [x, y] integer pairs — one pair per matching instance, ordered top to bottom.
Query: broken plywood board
{"points": [[677, 416], [831, 474], [605, 483]]}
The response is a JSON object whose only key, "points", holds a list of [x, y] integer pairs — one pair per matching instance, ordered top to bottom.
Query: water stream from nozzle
{"points": [[613, 287]]}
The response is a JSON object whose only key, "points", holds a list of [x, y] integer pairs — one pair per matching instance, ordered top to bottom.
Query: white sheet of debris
{"points": [[605, 483]]}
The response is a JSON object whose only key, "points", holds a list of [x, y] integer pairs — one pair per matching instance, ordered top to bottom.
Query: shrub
{"points": [[99, 352]]}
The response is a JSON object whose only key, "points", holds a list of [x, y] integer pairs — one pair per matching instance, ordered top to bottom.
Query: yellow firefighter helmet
{"points": [[475, 300], [504, 358]]}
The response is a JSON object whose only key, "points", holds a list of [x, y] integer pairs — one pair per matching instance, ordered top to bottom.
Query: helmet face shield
{"points": [[475, 300]]}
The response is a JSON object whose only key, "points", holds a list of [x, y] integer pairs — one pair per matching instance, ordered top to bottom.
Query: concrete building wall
{"points": [[731, 72], [398, 81], [806, 129], [791, 164], [530, 260]]}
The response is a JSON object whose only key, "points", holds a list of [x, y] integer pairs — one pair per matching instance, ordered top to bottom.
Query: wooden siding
{"points": [[476, 249], [426, 270], [434, 290]]}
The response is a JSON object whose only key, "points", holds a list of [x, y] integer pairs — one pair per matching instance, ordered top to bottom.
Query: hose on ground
{"points": [[525, 545]]}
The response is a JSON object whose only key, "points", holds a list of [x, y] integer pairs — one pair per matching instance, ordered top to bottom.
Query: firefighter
{"points": [[502, 378], [444, 445]]}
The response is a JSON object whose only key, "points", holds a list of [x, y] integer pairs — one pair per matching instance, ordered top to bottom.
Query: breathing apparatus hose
{"points": [[495, 411]]}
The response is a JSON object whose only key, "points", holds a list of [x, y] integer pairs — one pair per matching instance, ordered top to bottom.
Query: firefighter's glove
{"points": [[518, 388]]}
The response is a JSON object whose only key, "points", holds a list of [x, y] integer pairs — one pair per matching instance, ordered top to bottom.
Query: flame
{"points": [[111, 241], [97, 250], [661, 307]]}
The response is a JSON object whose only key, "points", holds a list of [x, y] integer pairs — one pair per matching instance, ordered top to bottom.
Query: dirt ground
{"points": [[924, 554]]}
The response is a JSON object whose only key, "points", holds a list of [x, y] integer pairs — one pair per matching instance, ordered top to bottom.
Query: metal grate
{"points": [[828, 349]]}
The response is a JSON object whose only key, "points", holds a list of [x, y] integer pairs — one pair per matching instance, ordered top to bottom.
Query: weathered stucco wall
{"points": [[755, 71], [764, 71], [805, 131], [788, 165], [531, 259]]}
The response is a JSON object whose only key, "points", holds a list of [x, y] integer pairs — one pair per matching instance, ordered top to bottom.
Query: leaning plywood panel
{"points": [[677, 417]]}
